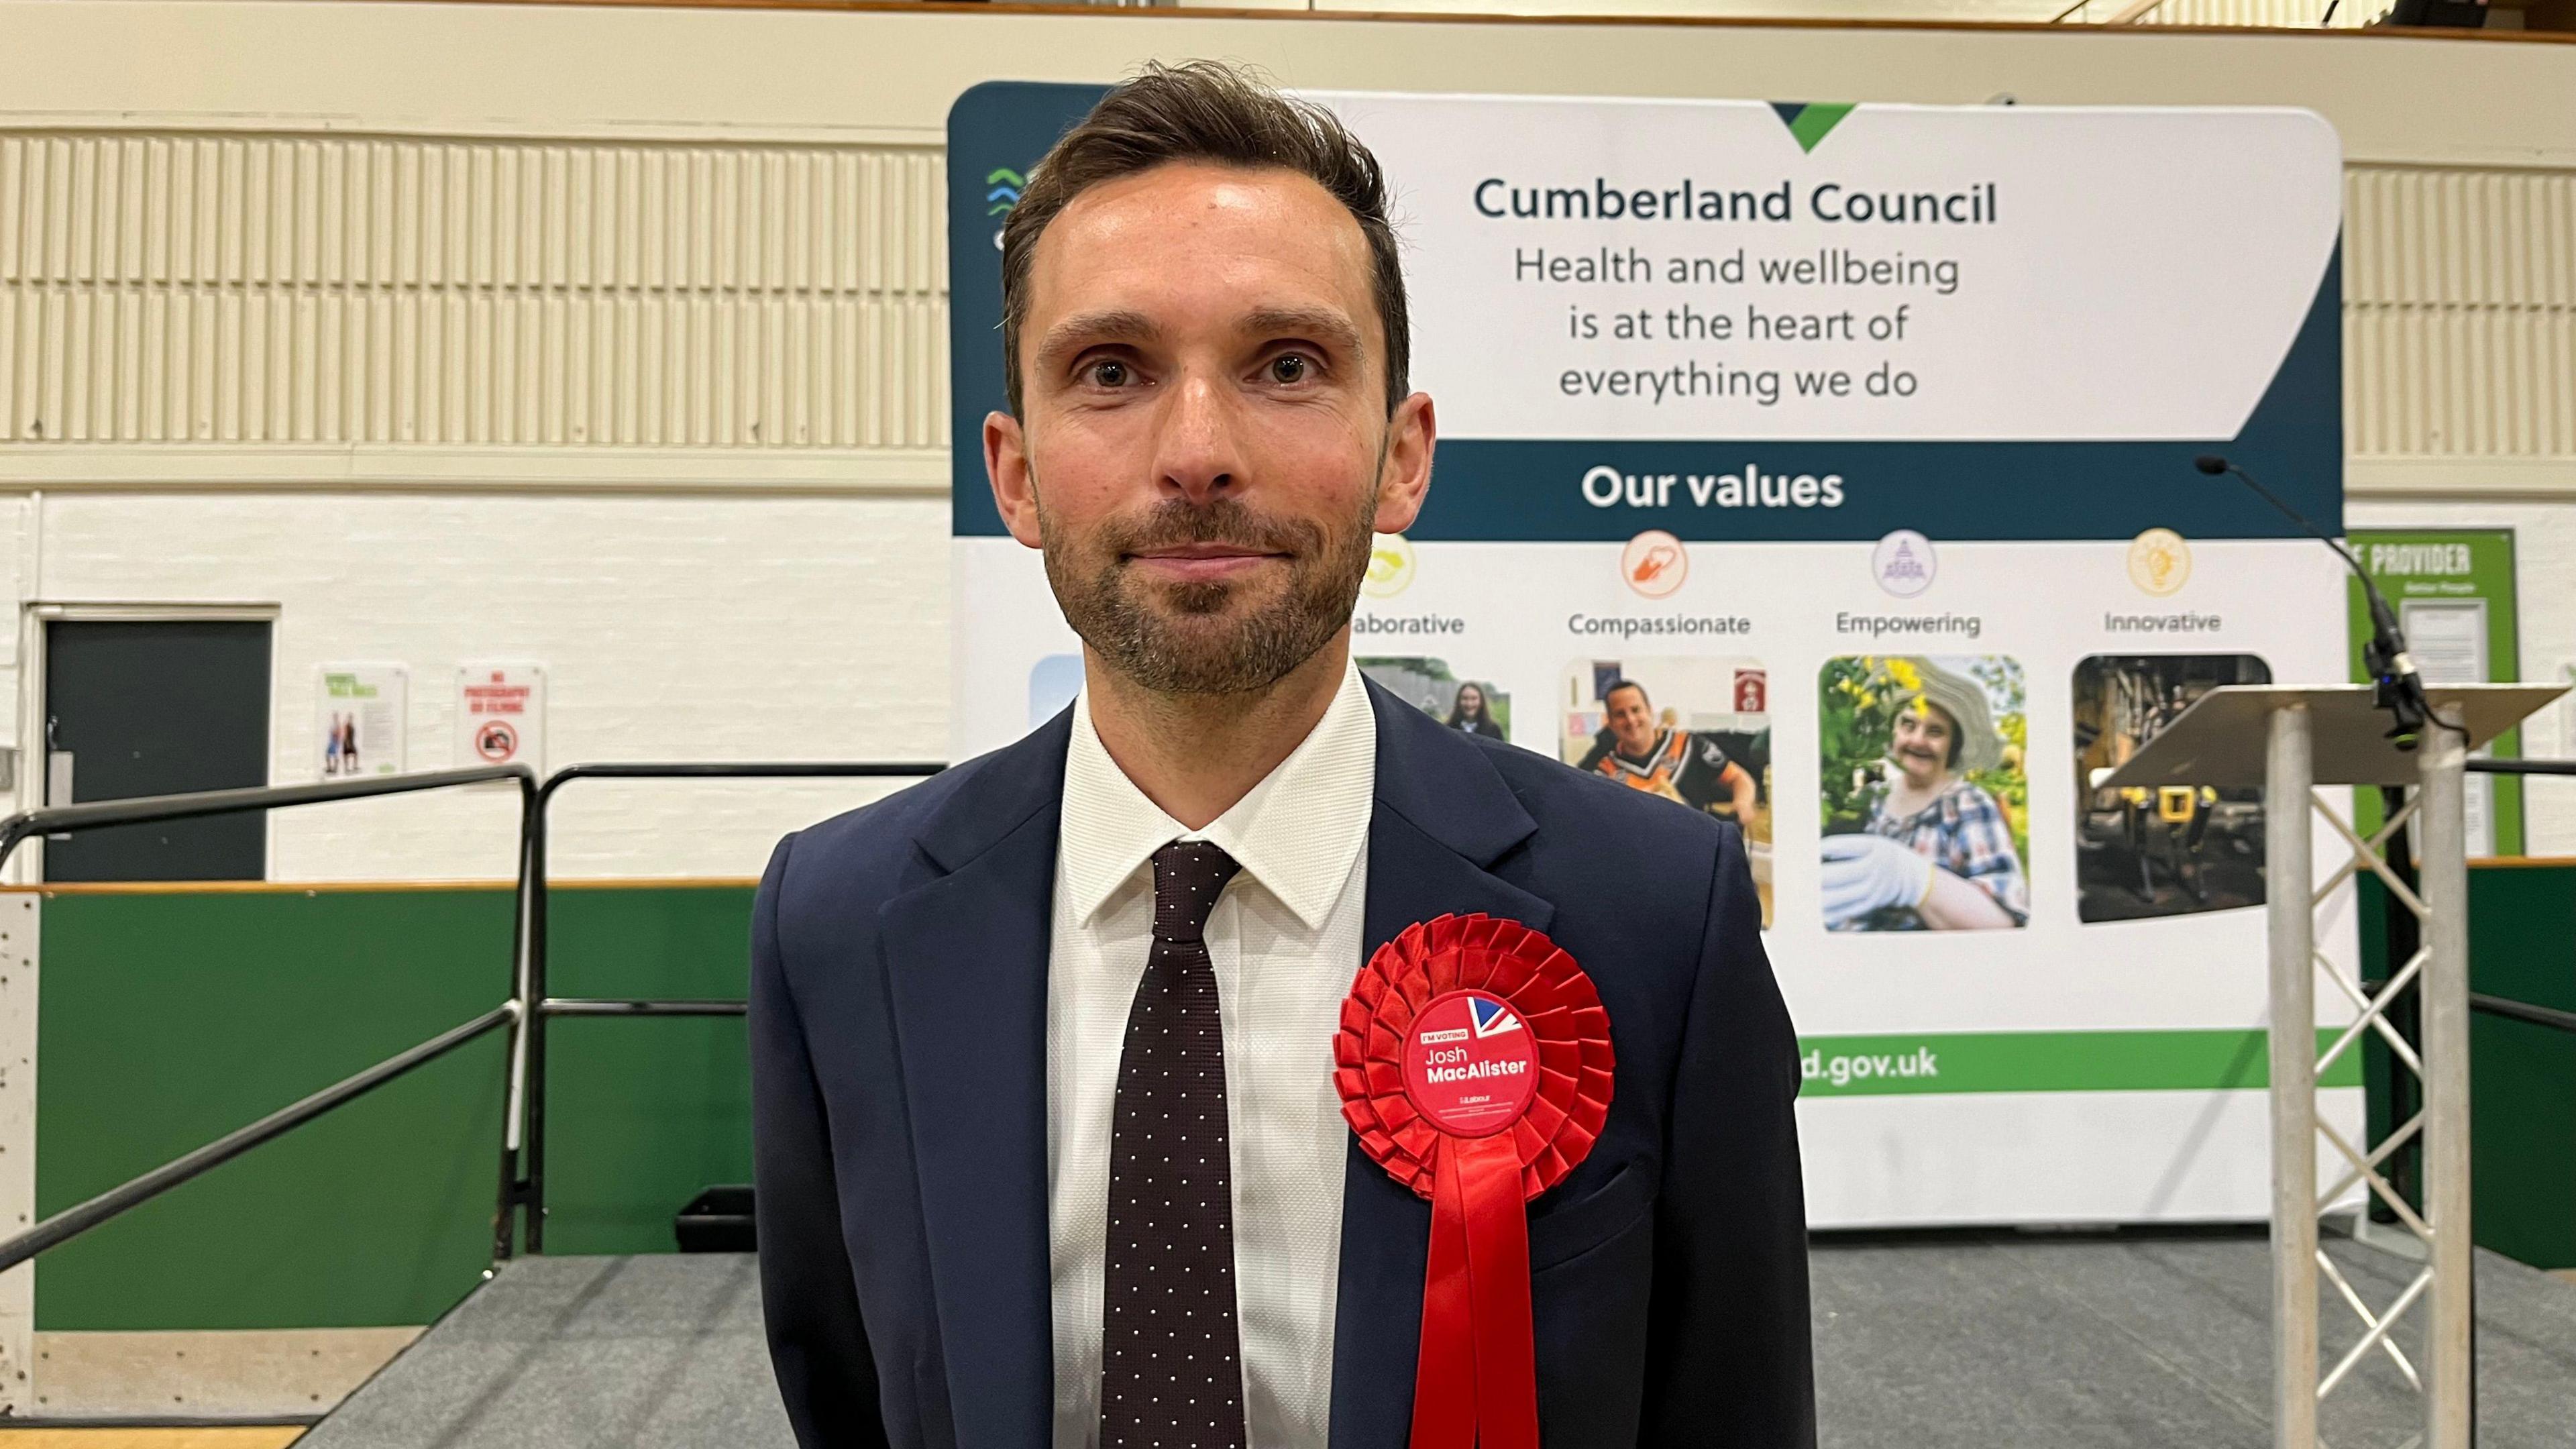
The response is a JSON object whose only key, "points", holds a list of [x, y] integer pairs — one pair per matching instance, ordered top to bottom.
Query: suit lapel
{"points": [[1443, 814], [966, 966]]}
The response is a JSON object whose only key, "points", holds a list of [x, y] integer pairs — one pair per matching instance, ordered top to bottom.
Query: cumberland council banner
{"points": [[1828, 468]]}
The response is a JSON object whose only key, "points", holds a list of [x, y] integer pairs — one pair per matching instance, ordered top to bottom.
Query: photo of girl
{"points": [[1470, 706], [1468, 713], [1925, 797]]}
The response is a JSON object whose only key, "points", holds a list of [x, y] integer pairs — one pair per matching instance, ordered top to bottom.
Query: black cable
{"points": [[2399, 687]]}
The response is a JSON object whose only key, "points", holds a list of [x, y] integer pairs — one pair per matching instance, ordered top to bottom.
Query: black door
{"points": [[157, 708]]}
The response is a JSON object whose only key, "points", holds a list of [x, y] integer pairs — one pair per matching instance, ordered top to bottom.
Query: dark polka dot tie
{"points": [[1171, 1370]]}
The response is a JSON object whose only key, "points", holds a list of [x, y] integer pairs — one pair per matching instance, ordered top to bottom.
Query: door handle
{"points": [[58, 784]]}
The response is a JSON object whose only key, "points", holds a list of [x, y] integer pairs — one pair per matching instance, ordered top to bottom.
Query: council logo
{"points": [[1811, 121], [1002, 188], [2159, 561], [1654, 563], [1903, 563], [1390, 567]]}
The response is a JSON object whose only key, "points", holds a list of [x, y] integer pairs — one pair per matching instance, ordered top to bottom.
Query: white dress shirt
{"points": [[1285, 942]]}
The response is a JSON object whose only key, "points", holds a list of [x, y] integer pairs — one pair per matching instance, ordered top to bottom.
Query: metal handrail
{"points": [[2522, 767], [806, 770], [143, 809], [59, 819], [2399, 942], [585, 1006], [2506, 1006], [525, 1012], [2537, 1015], [521, 1214], [73, 1221]]}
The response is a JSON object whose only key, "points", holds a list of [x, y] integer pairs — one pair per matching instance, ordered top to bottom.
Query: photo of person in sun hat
{"points": [[1916, 836]]}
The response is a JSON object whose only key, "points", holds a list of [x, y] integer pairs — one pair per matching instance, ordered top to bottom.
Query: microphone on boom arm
{"points": [[2396, 687]]}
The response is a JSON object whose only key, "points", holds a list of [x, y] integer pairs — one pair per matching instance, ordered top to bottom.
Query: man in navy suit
{"points": [[1048, 1147]]}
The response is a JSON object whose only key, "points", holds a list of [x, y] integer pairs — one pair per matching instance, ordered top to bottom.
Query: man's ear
{"points": [[1006, 464], [1404, 476]]}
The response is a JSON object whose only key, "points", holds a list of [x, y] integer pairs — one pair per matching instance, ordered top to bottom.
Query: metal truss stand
{"points": [[2334, 736], [2439, 972]]}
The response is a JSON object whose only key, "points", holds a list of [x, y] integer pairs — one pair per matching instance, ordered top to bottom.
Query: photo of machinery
{"points": [[2172, 851]]}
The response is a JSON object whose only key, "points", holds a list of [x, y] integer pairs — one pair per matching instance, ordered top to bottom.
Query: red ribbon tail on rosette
{"points": [[1474, 1064], [1444, 1374], [1475, 1383]]}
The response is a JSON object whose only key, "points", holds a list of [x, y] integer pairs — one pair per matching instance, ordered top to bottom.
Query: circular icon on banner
{"points": [[2159, 561], [1654, 563], [1903, 563], [1390, 566], [496, 742], [1469, 1064]]}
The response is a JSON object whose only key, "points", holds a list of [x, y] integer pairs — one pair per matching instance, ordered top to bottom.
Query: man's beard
{"points": [[1172, 638]]}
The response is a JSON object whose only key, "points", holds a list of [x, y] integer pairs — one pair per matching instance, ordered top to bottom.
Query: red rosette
{"points": [[1474, 1063]]}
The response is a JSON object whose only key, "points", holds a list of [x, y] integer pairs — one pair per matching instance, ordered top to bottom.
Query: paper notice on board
{"points": [[2448, 639], [361, 720]]}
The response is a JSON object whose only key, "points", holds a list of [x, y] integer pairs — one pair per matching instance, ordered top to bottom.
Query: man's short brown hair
{"points": [[1205, 111]]}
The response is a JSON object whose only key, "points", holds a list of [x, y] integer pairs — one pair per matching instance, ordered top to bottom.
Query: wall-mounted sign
{"points": [[501, 715], [361, 717]]}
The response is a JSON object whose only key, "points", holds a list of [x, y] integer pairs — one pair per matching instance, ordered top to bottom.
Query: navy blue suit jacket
{"points": [[898, 1052]]}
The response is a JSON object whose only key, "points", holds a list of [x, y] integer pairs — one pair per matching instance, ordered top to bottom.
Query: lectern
{"points": [[2288, 741]]}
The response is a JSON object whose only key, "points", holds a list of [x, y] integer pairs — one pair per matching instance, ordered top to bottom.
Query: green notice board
{"points": [[2453, 590], [169, 1019], [2522, 1094]]}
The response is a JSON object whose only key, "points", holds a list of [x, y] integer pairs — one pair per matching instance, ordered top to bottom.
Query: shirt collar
{"points": [[1663, 739], [1296, 833]]}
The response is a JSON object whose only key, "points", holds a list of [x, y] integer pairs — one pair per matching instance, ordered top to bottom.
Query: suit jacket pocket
{"points": [[1560, 1232]]}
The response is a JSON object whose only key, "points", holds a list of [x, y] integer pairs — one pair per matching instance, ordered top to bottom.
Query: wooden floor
{"points": [[148, 1437]]}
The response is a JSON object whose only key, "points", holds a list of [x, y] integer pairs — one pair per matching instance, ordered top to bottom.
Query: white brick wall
{"points": [[671, 627]]}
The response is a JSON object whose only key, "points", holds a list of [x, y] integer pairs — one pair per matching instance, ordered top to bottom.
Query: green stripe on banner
{"points": [[2049, 1061]]}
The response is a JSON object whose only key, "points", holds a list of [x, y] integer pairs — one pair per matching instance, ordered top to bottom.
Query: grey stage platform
{"points": [[2006, 1341]]}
